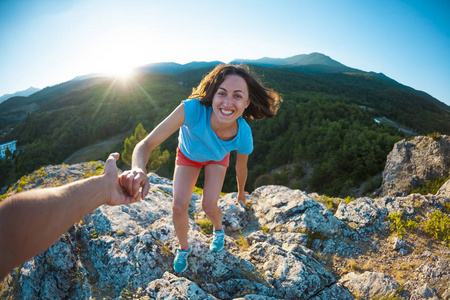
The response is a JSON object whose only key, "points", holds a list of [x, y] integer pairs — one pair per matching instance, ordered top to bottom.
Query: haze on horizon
{"points": [[49, 41]]}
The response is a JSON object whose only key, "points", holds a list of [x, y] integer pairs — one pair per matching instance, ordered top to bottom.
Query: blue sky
{"points": [[46, 42]]}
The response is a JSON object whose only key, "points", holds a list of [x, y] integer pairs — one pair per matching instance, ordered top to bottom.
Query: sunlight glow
{"points": [[120, 71]]}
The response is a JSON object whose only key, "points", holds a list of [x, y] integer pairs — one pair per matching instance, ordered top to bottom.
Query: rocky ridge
{"points": [[286, 244]]}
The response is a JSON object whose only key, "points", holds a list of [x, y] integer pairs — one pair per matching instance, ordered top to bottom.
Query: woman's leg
{"points": [[214, 176], [184, 180]]}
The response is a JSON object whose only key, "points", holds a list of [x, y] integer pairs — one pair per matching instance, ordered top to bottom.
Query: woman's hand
{"points": [[133, 180], [117, 193], [242, 197]]}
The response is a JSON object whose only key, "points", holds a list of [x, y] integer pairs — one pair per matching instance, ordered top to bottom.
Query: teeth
{"points": [[226, 112]]}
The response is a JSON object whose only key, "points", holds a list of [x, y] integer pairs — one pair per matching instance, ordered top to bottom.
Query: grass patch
{"points": [[436, 136], [431, 187], [199, 191], [206, 226], [399, 226], [439, 226], [313, 235], [242, 242], [395, 295]]}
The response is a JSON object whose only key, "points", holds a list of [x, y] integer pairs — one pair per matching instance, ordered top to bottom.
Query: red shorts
{"points": [[182, 160]]}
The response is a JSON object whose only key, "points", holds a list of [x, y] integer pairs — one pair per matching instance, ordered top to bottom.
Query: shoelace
{"points": [[216, 236], [183, 253]]}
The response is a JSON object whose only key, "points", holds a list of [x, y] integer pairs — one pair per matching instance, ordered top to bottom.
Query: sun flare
{"points": [[121, 71]]}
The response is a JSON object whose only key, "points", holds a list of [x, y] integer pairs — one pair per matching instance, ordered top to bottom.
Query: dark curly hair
{"points": [[264, 102]]}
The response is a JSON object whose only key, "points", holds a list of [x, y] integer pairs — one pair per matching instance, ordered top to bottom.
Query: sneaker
{"points": [[218, 241], [180, 263]]}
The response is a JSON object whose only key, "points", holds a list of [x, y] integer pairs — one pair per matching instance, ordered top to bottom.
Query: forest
{"points": [[323, 139]]}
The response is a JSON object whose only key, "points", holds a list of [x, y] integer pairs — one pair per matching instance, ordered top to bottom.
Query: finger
{"points": [[110, 163], [120, 179], [123, 181], [138, 182], [129, 183], [145, 189]]}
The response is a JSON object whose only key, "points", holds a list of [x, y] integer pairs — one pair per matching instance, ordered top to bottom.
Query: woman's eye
{"points": [[221, 93], [238, 96]]}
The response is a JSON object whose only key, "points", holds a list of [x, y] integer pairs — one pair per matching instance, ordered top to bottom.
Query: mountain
{"points": [[314, 63], [174, 68], [25, 93], [16, 108], [324, 127], [284, 244]]}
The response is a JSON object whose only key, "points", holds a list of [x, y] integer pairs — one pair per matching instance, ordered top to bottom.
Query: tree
{"points": [[131, 142], [8, 153], [156, 157]]}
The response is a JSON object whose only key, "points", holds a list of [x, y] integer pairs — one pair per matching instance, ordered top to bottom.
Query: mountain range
{"points": [[313, 63], [25, 93], [325, 123]]}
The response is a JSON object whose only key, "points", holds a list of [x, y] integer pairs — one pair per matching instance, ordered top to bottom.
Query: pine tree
{"points": [[131, 142], [156, 157]]}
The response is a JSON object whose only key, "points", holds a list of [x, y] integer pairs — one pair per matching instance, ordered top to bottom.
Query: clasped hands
{"points": [[126, 188]]}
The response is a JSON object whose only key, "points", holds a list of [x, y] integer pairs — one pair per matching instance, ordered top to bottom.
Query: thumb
{"points": [[110, 164]]}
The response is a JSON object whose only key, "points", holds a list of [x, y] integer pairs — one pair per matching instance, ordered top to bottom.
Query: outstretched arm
{"points": [[241, 176], [137, 177], [32, 221]]}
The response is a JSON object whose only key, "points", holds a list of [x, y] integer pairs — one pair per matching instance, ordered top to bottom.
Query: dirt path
{"points": [[94, 152]]}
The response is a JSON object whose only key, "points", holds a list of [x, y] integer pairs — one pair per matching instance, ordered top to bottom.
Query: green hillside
{"points": [[324, 138]]}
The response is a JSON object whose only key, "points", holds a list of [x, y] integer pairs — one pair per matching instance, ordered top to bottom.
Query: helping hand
{"points": [[132, 180], [118, 193]]}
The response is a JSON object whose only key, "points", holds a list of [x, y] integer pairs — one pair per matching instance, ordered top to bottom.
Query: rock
{"points": [[413, 163], [444, 191], [361, 213], [398, 244], [283, 245], [128, 250], [403, 252], [369, 285], [173, 287], [419, 291], [335, 292], [446, 294]]}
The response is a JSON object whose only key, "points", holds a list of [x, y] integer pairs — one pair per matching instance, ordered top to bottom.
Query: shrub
{"points": [[436, 136], [431, 187], [349, 199], [331, 203], [397, 224], [439, 225], [206, 226], [265, 229], [313, 235], [242, 241]]}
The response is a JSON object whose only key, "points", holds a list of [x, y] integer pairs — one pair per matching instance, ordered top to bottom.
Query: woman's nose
{"points": [[228, 99]]}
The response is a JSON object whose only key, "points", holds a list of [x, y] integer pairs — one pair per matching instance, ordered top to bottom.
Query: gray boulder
{"points": [[413, 163], [369, 285]]}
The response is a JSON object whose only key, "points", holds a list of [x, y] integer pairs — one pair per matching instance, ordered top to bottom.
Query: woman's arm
{"points": [[241, 175], [137, 177], [33, 220]]}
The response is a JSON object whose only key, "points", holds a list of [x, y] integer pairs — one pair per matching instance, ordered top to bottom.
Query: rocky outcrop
{"points": [[412, 163], [285, 244]]}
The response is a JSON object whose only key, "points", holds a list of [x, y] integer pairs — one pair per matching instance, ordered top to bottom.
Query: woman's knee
{"points": [[209, 206], [179, 208]]}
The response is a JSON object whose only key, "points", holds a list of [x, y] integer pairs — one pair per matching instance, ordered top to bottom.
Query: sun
{"points": [[122, 71]]}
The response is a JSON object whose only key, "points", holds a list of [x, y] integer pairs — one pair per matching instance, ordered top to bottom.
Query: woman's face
{"points": [[230, 99]]}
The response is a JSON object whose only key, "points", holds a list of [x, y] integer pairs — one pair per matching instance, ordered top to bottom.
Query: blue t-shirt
{"points": [[198, 141]]}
